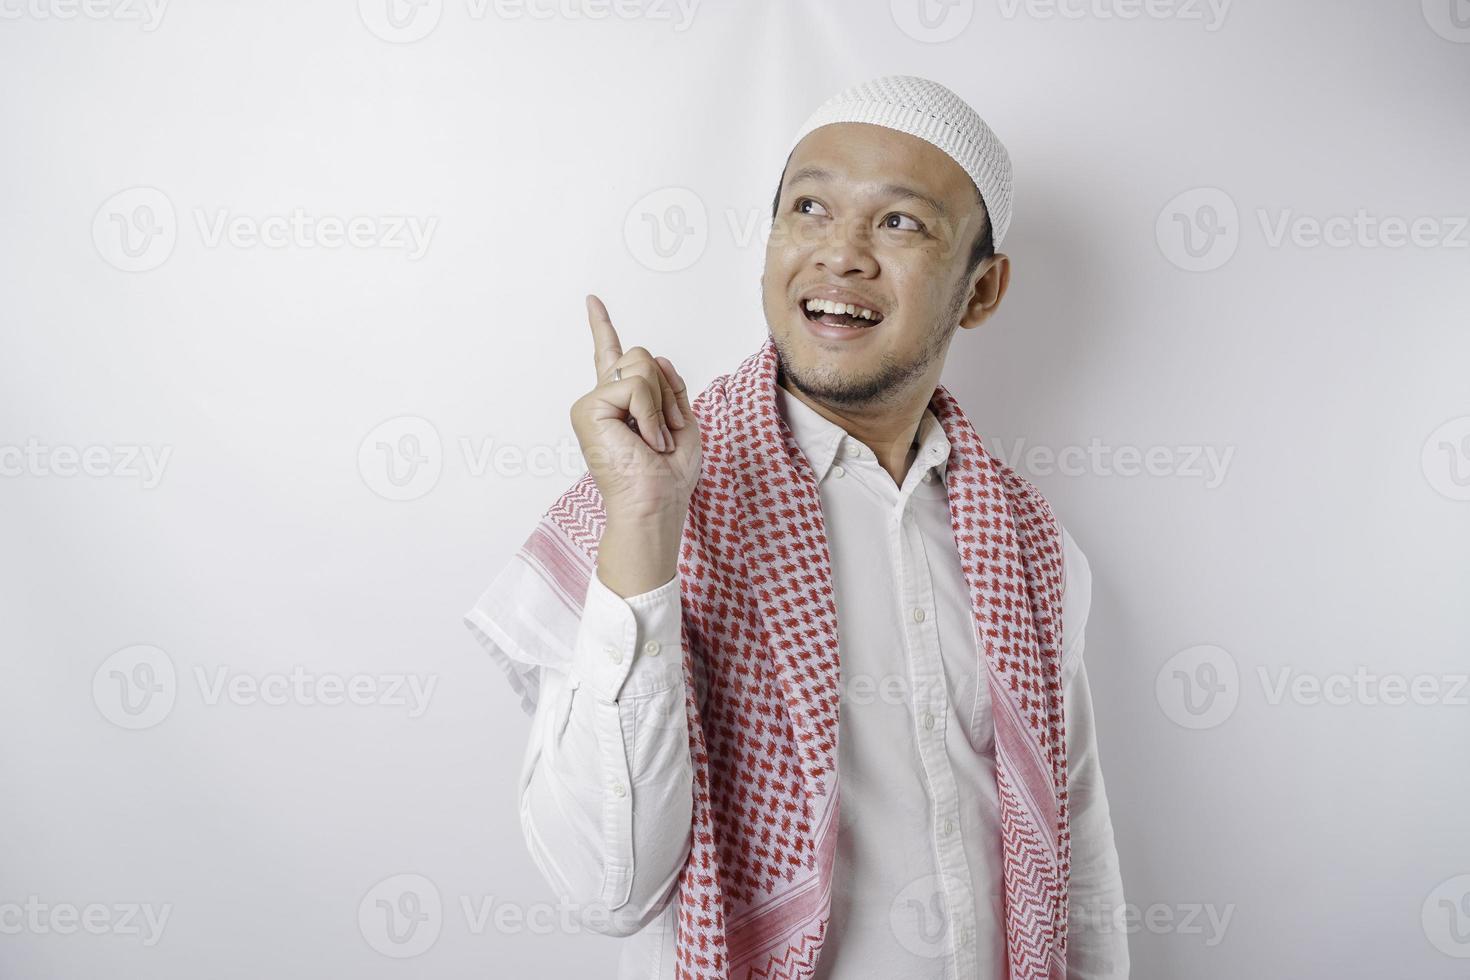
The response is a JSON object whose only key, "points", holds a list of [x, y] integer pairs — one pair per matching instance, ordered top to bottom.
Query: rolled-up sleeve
{"points": [[606, 786], [1097, 945]]}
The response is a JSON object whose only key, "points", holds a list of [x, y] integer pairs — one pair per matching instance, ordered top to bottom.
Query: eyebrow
{"points": [[892, 190]]}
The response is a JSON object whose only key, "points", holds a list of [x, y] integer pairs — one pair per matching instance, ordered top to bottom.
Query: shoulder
{"points": [[1076, 596]]}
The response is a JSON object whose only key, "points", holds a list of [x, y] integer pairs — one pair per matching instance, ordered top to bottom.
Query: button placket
{"points": [[930, 707], [926, 723]]}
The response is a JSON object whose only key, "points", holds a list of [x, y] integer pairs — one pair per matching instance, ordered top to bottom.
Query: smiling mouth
{"points": [[848, 320]]}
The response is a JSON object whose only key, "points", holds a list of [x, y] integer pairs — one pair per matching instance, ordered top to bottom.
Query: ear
{"points": [[990, 287]]}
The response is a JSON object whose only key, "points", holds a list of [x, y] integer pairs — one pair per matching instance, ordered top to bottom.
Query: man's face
{"points": [[883, 220]]}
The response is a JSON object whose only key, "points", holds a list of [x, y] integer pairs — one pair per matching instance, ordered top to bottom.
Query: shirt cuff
{"points": [[629, 647]]}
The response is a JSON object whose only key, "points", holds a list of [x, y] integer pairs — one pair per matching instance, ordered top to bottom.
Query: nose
{"points": [[845, 248]]}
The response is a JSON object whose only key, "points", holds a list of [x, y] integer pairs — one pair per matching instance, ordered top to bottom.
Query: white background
{"points": [[545, 150]]}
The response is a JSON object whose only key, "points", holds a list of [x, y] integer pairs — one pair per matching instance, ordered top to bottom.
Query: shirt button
{"points": [[853, 449], [838, 470], [928, 476], [918, 615], [651, 648], [615, 655], [928, 720], [619, 790], [948, 827]]}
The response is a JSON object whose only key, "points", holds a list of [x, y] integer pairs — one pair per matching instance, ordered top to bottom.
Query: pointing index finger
{"points": [[607, 347]]}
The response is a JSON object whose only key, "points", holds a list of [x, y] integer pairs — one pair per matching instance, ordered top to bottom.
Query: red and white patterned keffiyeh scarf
{"points": [[760, 655]]}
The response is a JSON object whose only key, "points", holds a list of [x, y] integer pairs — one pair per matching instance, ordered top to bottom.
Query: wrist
{"points": [[657, 526], [637, 556]]}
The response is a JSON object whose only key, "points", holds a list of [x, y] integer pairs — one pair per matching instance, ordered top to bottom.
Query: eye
{"points": [[801, 200], [917, 225]]}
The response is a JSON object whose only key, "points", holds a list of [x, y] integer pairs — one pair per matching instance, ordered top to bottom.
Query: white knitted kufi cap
{"points": [[931, 112]]}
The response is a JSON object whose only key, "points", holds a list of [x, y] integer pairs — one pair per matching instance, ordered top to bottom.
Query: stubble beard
{"points": [[885, 383]]}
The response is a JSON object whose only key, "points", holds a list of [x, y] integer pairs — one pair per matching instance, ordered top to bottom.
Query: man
{"points": [[804, 661]]}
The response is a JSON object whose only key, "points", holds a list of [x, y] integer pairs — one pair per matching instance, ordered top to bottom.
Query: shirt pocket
{"points": [[973, 704], [656, 729]]}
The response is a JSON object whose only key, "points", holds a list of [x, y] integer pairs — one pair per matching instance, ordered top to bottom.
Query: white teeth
{"points": [[827, 306]]}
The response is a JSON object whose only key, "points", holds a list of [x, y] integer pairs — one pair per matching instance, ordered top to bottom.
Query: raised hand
{"points": [[641, 441]]}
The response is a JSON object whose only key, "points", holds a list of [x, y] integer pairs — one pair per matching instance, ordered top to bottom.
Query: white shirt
{"points": [[918, 893]]}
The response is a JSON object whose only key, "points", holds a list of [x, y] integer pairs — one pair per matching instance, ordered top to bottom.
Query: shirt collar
{"points": [[821, 440]]}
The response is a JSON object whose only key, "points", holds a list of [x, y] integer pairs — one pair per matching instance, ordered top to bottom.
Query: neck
{"points": [[888, 429]]}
